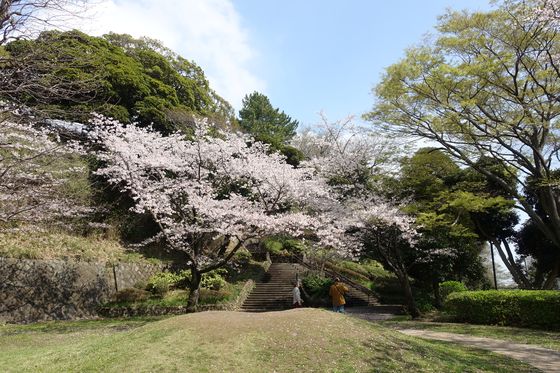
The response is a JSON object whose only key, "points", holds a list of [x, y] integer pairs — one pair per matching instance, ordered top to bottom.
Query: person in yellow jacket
{"points": [[337, 291]]}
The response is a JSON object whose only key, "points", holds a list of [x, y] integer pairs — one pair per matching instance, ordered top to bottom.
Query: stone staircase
{"points": [[274, 292], [356, 298]]}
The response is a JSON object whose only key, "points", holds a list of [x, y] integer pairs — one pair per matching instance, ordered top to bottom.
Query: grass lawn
{"points": [[60, 245], [541, 338], [302, 340]]}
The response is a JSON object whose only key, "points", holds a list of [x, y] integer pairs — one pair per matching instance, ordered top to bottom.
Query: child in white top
{"points": [[296, 296]]}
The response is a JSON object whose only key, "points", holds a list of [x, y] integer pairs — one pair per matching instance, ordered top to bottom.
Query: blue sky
{"points": [[305, 55], [327, 55]]}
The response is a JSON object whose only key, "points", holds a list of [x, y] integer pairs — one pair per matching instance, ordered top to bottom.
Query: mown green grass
{"points": [[63, 327], [537, 337], [302, 340]]}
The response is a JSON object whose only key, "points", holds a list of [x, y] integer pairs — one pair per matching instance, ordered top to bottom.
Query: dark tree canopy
{"points": [[119, 76], [448, 248]]}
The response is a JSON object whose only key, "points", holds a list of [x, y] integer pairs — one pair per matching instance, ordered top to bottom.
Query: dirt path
{"points": [[539, 357]]}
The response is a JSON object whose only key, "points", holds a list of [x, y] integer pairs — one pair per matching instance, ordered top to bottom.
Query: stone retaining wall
{"points": [[37, 290]]}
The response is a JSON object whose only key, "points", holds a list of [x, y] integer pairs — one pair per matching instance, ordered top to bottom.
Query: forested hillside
{"points": [[71, 74]]}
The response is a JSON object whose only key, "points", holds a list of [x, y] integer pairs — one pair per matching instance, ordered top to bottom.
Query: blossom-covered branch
{"points": [[345, 154], [36, 170], [210, 188], [212, 191]]}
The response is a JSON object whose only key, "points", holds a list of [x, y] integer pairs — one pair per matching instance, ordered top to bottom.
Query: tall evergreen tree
{"points": [[266, 123]]}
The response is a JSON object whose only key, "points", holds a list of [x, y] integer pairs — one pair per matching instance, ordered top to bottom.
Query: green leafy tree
{"points": [[119, 76], [487, 88], [267, 124], [447, 248]]}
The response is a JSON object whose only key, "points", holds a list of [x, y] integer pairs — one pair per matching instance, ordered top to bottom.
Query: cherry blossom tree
{"points": [[548, 11], [546, 14], [346, 154], [350, 157], [37, 171], [212, 191], [209, 194]]}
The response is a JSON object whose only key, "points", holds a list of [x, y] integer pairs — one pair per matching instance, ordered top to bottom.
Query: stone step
{"points": [[274, 286], [266, 292], [275, 293], [270, 296], [271, 300], [267, 302], [277, 304]]}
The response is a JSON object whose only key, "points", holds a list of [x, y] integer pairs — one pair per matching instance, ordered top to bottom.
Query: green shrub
{"points": [[273, 246], [282, 246], [293, 246], [242, 257], [368, 268], [349, 270], [183, 279], [214, 279], [160, 283], [317, 286], [448, 287], [132, 295], [424, 300], [528, 308]]}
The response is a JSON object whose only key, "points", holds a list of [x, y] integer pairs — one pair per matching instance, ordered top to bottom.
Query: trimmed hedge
{"points": [[527, 308]]}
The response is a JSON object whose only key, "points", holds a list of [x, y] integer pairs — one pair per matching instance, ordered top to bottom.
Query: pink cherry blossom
{"points": [[34, 172], [222, 185], [213, 191]]}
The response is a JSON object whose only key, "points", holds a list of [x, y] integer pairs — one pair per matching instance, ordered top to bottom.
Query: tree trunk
{"points": [[493, 266], [518, 276], [550, 281], [194, 287], [437, 294], [409, 298]]}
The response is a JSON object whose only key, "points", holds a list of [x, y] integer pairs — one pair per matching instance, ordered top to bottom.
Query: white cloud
{"points": [[208, 32]]}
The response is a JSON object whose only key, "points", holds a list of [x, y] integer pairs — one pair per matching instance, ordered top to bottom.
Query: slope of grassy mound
{"points": [[303, 340]]}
